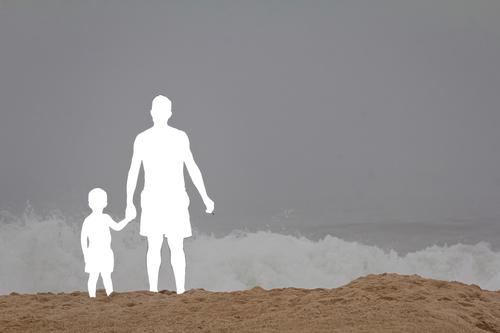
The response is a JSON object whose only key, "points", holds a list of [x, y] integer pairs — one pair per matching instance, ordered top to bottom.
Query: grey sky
{"points": [[341, 110]]}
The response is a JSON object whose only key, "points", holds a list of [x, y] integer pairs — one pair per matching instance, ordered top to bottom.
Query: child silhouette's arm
{"points": [[119, 225], [83, 240]]}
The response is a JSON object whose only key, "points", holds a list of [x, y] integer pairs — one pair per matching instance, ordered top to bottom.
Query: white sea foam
{"points": [[43, 254]]}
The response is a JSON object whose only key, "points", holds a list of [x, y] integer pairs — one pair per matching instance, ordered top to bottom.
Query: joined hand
{"points": [[130, 212]]}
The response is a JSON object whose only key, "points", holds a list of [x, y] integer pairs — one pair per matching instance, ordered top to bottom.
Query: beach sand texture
{"points": [[375, 303]]}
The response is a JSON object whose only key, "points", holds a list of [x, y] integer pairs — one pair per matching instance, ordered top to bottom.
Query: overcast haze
{"points": [[337, 111]]}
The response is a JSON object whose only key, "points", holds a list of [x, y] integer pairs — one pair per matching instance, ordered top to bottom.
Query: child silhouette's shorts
{"points": [[100, 260]]}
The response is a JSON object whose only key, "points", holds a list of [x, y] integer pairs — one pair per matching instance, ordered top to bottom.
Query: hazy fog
{"points": [[319, 111]]}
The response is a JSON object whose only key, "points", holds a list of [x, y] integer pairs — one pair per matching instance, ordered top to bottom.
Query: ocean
{"points": [[43, 254]]}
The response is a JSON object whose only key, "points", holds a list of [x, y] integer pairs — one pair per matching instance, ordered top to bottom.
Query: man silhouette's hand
{"points": [[210, 205], [130, 212]]}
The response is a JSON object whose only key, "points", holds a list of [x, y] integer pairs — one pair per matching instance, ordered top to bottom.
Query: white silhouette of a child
{"points": [[99, 258]]}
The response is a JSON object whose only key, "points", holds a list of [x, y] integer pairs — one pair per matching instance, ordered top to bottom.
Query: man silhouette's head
{"points": [[161, 110], [98, 199]]}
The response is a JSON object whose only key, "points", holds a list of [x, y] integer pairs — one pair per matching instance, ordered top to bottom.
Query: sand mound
{"points": [[374, 303]]}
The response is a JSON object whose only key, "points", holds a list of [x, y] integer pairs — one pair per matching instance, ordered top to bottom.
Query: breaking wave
{"points": [[39, 254]]}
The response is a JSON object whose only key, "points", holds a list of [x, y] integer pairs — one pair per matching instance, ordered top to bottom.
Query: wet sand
{"points": [[374, 303]]}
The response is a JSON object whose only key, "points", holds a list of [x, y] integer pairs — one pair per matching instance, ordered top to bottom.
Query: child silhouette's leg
{"points": [[92, 283], [108, 283]]}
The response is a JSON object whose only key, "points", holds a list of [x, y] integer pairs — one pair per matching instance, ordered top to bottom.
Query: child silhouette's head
{"points": [[98, 199]]}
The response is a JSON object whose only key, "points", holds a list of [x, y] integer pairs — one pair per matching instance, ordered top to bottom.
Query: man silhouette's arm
{"points": [[133, 173], [195, 174]]}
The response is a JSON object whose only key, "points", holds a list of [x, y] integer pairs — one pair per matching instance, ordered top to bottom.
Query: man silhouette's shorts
{"points": [[165, 213]]}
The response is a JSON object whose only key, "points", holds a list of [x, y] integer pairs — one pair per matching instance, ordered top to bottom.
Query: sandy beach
{"points": [[374, 303]]}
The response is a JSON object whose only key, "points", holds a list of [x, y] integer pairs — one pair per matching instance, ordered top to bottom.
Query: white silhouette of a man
{"points": [[163, 150]]}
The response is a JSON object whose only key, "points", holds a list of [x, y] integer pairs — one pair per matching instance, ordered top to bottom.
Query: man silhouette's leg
{"points": [[153, 260], [178, 261], [92, 283], [108, 283]]}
